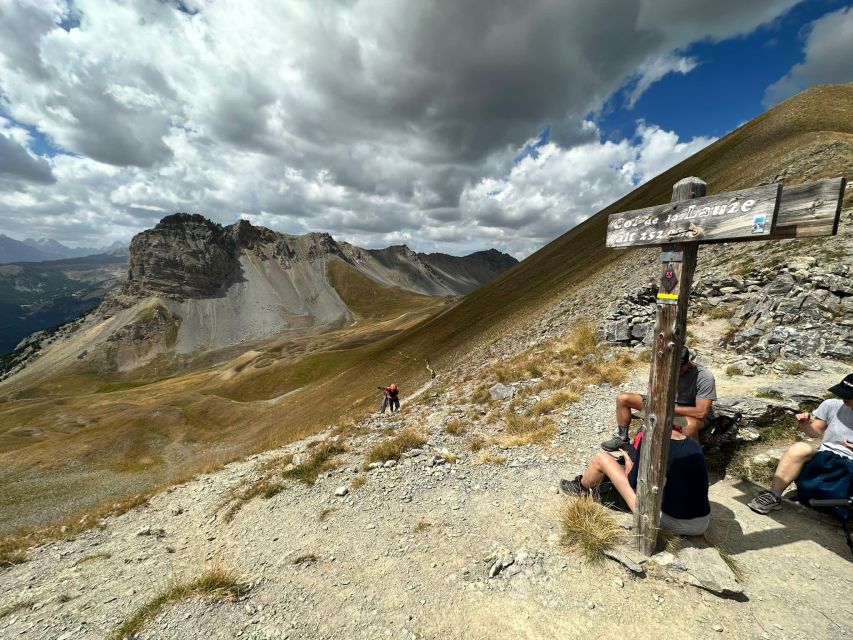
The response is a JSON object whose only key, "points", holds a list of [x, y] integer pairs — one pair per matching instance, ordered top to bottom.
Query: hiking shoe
{"points": [[615, 443], [573, 487], [765, 502]]}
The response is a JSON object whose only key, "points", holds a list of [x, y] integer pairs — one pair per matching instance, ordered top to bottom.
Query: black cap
{"points": [[685, 355], [844, 389]]}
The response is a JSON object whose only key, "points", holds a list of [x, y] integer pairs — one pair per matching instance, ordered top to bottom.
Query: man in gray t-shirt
{"points": [[694, 399], [832, 422]]}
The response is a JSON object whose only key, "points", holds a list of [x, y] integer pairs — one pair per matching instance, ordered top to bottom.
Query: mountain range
{"points": [[32, 250], [193, 285], [175, 366]]}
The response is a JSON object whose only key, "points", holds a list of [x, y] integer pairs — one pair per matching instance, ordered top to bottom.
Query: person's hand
{"points": [[803, 418], [847, 443]]}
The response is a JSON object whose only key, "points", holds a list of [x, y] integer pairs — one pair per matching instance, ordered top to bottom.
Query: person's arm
{"points": [[700, 411], [810, 425]]}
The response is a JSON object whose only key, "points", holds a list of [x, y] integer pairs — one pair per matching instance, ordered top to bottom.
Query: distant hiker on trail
{"points": [[391, 398], [694, 401], [822, 473], [685, 509]]}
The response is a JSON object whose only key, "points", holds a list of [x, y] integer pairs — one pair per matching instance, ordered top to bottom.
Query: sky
{"points": [[450, 126]]}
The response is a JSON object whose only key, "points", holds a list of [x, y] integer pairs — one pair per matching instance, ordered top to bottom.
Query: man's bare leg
{"points": [[625, 402], [604, 465], [790, 466], [788, 470]]}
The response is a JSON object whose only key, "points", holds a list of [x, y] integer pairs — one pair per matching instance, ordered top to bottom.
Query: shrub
{"points": [[720, 313], [734, 370], [455, 428], [521, 430], [476, 442], [394, 448], [491, 458], [320, 461], [588, 528], [214, 581]]}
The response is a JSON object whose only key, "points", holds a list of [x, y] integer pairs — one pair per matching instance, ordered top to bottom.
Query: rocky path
{"points": [[408, 554]]}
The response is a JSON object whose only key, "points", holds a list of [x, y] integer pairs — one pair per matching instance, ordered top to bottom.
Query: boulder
{"points": [[501, 392], [755, 412], [705, 568]]}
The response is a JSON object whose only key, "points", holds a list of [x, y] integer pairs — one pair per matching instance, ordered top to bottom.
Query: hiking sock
{"points": [[622, 432], [778, 494]]}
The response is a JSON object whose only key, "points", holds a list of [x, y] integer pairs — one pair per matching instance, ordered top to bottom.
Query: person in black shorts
{"points": [[685, 509]]}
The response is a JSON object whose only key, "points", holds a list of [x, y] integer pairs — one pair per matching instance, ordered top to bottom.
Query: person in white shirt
{"points": [[832, 422]]}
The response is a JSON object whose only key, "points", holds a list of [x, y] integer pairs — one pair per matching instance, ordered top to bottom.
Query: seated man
{"points": [[694, 400], [825, 472], [685, 509]]}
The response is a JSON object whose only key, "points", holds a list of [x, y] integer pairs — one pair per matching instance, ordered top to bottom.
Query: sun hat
{"points": [[844, 389]]}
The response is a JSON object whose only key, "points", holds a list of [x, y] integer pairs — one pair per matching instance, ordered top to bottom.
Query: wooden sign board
{"points": [[810, 210], [805, 211], [748, 213]]}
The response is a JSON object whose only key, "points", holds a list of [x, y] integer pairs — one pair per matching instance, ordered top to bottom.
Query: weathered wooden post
{"points": [[691, 218]]}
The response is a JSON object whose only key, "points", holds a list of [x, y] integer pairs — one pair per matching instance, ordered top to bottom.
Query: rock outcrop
{"points": [[184, 255], [779, 315]]}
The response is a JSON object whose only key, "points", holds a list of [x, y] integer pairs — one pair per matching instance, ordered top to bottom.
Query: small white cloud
{"points": [[828, 57], [656, 68]]}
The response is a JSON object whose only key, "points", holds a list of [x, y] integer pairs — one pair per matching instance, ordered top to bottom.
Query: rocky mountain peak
{"points": [[184, 255]]}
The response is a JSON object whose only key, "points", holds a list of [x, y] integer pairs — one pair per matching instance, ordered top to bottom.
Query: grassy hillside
{"points": [[66, 454]]}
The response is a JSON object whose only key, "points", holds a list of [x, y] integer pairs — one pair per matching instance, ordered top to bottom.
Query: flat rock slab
{"points": [[630, 558], [704, 568]]}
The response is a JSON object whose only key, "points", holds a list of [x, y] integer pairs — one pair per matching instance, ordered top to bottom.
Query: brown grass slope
{"points": [[137, 439]]}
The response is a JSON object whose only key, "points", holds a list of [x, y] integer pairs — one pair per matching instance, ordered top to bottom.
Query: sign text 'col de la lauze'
{"points": [[748, 213]]}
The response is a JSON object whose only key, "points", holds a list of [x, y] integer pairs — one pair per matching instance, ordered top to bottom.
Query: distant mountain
{"points": [[12, 250], [32, 250], [195, 286]]}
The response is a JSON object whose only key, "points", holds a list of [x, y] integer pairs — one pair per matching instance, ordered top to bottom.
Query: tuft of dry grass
{"points": [[720, 313], [733, 370], [559, 399], [455, 428], [521, 430], [476, 443], [394, 448], [449, 457], [491, 458], [320, 461], [358, 482], [265, 487], [588, 529], [669, 541], [11, 553], [733, 564], [215, 581], [12, 608]]}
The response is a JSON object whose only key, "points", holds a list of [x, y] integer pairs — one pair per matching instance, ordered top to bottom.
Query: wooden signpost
{"points": [[768, 212]]}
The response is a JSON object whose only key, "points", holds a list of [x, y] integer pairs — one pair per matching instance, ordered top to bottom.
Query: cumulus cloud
{"points": [[828, 57], [375, 120], [19, 166]]}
